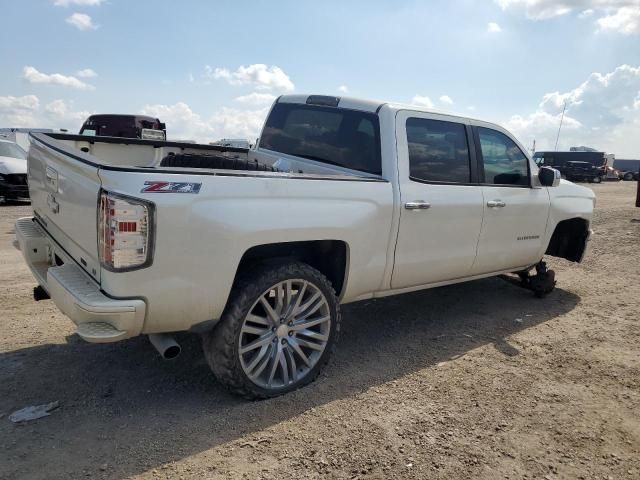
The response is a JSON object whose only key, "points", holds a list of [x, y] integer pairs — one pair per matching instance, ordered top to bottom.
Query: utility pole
{"points": [[564, 107]]}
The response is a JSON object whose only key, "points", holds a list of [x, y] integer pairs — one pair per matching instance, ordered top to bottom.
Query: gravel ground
{"points": [[474, 380]]}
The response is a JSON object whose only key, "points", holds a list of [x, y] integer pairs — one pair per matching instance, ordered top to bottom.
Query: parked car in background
{"points": [[124, 126], [21, 135], [233, 142], [13, 172], [582, 172], [341, 200]]}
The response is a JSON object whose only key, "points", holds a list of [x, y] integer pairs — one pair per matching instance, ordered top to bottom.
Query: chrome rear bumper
{"points": [[98, 317]]}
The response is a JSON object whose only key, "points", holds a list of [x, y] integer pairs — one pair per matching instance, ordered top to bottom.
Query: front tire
{"points": [[597, 179], [276, 333]]}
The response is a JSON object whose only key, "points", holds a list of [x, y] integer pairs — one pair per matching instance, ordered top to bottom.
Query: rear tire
{"points": [[628, 176], [597, 179], [277, 332]]}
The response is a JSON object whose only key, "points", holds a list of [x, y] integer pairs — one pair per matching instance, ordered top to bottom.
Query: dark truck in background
{"points": [[124, 126], [565, 162], [629, 169]]}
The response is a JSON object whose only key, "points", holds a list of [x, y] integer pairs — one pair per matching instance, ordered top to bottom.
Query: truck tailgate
{"points": [[64, 186]]}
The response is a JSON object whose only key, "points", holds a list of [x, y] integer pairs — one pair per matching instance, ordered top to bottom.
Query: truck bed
{"points": [[132, 154], [200, 233]]}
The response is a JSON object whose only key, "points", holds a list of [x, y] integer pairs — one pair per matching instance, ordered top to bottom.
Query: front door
{"points": [[441, 211], [515, 213]]}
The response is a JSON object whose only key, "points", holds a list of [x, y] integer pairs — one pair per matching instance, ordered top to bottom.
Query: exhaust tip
{"points": [[166, 346], [171, 352]]}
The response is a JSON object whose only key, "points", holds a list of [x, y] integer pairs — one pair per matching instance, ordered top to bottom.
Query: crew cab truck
{"points": [[341, 200]]}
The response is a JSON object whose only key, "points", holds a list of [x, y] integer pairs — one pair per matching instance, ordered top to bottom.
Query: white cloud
{"points": [[80, 3], [539, 9], [586, 13], [618, 15], [626, 20], [81, 21], [493, 27], [86, 73], [32, 75], [259, 75], [343, 89], [256, 98], [446, 99], [422, 101], [18, 104], [18, 111], [26, 112], [61, 112], [601, 112], [182, 122]]}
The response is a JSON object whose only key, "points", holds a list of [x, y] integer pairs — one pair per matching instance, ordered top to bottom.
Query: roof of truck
{"points": [[362, 104], [374, 106]]}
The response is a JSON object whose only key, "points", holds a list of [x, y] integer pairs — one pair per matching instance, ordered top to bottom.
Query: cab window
{"points": [[337, 136], [438, 151], [504, 162]]}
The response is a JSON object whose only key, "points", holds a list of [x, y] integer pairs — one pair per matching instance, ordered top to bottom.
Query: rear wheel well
{"points": [[569, 239], [327, 256]]}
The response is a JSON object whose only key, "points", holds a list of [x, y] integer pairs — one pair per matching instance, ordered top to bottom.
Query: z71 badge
{"points": [[171, 187]]}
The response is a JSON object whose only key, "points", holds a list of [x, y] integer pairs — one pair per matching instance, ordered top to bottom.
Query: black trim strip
{"points": [[473, 157], [211, 173], [431, 182]]}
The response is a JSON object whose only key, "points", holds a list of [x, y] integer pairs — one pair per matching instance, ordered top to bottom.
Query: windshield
{"points": [[347, 138], [12, 150]]}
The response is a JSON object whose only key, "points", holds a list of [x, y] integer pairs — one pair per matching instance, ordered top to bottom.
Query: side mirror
{"points": [[549, 177]]}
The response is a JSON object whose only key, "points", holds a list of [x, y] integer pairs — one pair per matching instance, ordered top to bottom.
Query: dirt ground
{"points": [[478, 380]]}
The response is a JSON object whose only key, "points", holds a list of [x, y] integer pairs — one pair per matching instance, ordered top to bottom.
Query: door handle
{"points": [[496, 204], [417, 205]]}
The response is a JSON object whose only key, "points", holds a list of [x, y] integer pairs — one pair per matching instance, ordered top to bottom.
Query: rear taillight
{"points": [[125, 236]]}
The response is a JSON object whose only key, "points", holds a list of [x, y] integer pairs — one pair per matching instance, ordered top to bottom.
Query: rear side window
{"points": [[347, 138], [438, 151], [504, 162]]}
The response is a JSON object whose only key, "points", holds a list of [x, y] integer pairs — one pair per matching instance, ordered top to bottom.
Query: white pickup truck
{"points": [[341, 200]]}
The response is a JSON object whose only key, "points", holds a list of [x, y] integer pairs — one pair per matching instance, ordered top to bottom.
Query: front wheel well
{"points": [[569, 239], [327, 256]]}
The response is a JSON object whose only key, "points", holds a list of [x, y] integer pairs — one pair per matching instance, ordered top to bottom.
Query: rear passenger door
{"points": [[515, 211], [441, 212]]}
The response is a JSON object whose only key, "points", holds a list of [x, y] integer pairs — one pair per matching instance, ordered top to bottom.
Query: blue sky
{"points": [[210, 68]]}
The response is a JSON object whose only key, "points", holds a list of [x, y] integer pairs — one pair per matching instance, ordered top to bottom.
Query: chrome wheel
{"points": [[284, 334]]}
